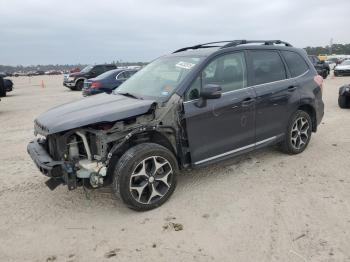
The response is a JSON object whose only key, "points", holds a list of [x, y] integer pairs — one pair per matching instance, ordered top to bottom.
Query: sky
{"points": [[76, 31]]}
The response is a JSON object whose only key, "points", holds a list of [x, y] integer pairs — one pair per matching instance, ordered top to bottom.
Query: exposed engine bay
{"points": [[83, 155]]}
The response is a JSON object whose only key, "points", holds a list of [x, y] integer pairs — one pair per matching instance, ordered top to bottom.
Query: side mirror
{"points": [[209, 91]]}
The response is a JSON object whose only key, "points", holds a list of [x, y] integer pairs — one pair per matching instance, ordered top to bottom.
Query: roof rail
{"points": [[232, 43]]}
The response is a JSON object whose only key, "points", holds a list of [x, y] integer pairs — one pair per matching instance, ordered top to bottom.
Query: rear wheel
{"points": [[344, 102], [298, 133], [145, 176]]}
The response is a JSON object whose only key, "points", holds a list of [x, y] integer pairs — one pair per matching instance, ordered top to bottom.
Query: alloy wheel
{"points": [[300, 132], [151, 180]]}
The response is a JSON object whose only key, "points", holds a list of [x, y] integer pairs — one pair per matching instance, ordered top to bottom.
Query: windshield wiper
{"points": [[129, 95]]}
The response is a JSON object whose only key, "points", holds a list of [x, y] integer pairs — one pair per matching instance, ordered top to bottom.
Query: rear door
{"points": [[97, 70], [275, 92], [224, 126]]}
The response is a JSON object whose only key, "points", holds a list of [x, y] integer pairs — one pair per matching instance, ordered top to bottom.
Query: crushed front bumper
{"points": [[43, 160]]}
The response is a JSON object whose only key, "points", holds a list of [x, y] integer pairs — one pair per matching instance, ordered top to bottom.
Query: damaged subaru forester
{"points": [[194, 107]]}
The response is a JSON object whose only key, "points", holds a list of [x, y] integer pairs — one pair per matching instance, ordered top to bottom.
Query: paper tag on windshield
{"points": [[185, 65]]}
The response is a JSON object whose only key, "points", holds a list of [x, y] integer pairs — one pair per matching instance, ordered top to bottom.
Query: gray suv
{"points": [[197, 106]]}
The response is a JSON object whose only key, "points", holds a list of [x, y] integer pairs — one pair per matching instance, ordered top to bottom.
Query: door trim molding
{"points": [[236, 150]]}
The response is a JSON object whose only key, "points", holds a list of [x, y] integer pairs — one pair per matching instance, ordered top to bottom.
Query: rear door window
{"points": [[296, 64], [267, 66], [98, 70], [122, 76]]}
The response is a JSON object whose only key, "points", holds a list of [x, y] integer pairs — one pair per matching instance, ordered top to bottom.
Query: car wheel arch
{"points": [[80, 79], [312, 113], [155, 137]]}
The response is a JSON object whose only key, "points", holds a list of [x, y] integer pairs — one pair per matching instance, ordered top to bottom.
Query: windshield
{"points": [[346, 62], [86, 69], [159, 79]]}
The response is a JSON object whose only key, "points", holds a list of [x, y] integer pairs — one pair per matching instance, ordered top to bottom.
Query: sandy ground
{"points": [[264, 206]]}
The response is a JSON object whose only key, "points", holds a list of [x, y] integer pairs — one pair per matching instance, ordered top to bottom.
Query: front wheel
{"points": [[78, 86], [298, 133], [145, 176]]}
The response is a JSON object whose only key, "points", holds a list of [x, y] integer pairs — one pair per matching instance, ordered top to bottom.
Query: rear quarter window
{"points": [[296, 64]]}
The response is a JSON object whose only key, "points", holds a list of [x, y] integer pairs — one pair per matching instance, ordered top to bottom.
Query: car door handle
{"points": [[292, 88], [248, 101]]}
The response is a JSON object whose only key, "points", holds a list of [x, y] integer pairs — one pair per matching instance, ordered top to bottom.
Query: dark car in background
{"points": [[321, 67], [75, 81], [106, 82], [6, 85], [344, 96], [194, 107]]}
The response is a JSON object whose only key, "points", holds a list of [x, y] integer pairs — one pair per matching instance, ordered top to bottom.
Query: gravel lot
{"points": [[264, 206]]}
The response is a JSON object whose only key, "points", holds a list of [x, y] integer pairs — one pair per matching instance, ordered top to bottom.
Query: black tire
{"points": [[336, 74], [79, 85], [2, 88], [344, 101], [290, 143], [127, 175]]}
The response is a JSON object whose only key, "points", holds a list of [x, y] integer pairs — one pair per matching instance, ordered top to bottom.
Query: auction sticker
{"points": [[185, 65]]}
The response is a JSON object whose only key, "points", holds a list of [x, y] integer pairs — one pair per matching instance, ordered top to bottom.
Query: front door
{"points": [[225, 126]]}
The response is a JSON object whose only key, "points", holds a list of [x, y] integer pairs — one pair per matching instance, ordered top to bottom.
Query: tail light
{"points": [[319, 81], [96, 84]]}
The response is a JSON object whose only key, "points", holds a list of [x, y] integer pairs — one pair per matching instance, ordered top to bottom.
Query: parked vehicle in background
{"points": [[332, 62], [321, 67], [342, 69], [75, 70], [53, 72], [35, 73], [17, 74], [75, 81], [106, 82], [6, 85], [2, 87], [344, 96], [197, 106]]}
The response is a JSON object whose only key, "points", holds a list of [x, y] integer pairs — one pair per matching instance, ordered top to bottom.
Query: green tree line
{"points": [[335, 49]]}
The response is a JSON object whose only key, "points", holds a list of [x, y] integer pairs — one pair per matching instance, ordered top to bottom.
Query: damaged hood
{"points": [[94, 109]]}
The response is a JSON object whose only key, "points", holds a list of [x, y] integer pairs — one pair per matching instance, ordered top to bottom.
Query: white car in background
{"points": [[343, 68]]}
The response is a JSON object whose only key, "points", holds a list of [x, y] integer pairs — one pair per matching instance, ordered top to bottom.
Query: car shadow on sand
{"points": [[103, 198]]}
